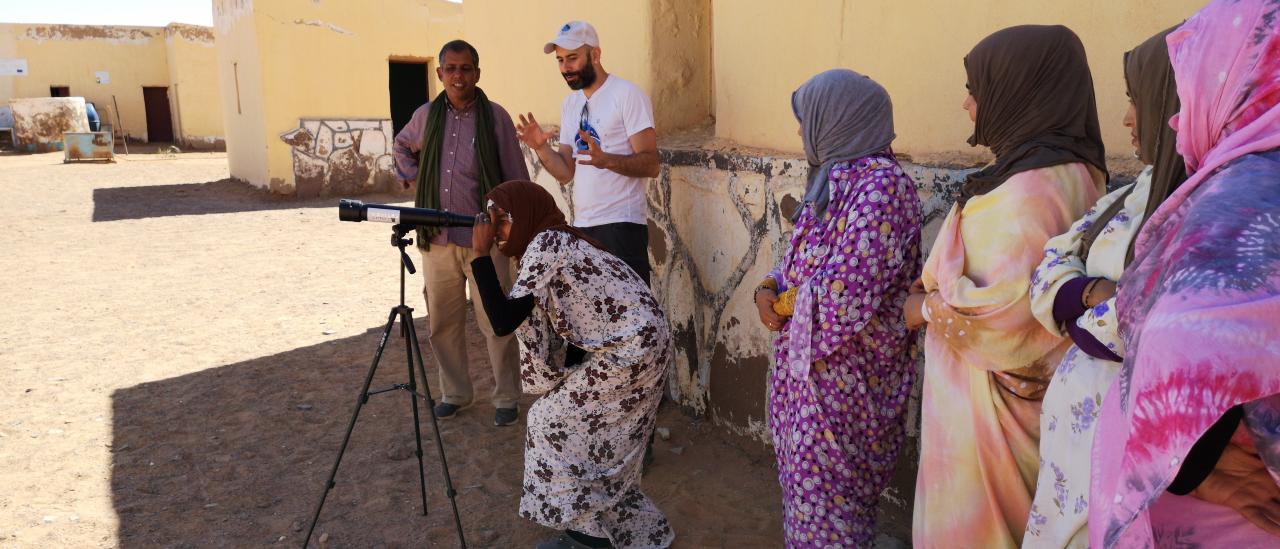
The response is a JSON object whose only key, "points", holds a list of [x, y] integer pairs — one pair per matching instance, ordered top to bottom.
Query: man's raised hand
{"points": [[531, 133]]}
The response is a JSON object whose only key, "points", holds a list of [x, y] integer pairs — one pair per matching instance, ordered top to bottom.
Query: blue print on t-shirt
{"points": [[585, 125]]}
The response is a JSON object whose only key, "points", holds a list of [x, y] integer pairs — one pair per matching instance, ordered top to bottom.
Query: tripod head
{"points": [[398, 232]]}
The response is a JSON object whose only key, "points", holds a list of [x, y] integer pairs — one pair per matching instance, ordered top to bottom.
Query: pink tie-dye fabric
{"points": [[1200, 304]]}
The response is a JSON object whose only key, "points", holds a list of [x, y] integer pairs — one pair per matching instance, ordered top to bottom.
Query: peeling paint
{"points": [[322, 24], [191, 33], [115, 35], [38, 123], [92, 146], [341, 157]]}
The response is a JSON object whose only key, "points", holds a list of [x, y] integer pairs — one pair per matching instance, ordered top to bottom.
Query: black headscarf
{"points": [[1148, 77], [1036, 106]]}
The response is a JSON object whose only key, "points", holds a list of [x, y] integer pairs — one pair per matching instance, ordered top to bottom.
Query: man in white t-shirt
{"points": [[608, 147]]}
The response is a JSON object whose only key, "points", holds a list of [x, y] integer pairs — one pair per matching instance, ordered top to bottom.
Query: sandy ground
{"points": [[179, 356]]}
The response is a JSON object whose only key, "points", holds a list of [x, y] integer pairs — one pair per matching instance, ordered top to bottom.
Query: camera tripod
{"points": [[404, 314]]}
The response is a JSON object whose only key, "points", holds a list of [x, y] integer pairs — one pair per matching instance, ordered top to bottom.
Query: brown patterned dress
{"points": [[587, 433]]}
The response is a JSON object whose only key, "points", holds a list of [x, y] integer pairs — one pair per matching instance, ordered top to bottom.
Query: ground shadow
{"points": [[214, 197], [236, 456]]}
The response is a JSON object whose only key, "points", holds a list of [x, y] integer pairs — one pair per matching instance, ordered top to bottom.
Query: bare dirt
{"points": [[180, 354]]}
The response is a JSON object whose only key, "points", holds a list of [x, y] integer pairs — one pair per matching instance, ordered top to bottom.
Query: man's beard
{"points": [[586, 76]]}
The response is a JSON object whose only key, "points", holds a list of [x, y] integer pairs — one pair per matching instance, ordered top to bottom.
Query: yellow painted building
{"points": [[663, 46], [915, 48], [124, 66], [727, 66], [298, 76], [305, 87]]}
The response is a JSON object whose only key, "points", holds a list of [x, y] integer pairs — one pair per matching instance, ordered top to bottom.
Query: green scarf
{"points": [[486, 144]]}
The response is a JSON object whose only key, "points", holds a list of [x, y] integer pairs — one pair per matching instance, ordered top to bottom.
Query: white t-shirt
{"points": [[616, 111]]}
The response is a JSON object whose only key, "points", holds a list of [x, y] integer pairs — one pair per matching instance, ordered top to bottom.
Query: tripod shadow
{"points": [[213, 197], [236, 456]]}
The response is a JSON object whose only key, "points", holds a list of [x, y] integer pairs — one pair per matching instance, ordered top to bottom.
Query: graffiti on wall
{"points": [[341, 156]]}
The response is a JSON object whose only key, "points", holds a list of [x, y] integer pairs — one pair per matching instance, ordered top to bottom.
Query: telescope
{"points": [[355, 210]]}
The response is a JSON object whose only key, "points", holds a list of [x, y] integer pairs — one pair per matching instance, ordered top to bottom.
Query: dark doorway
{"points": [[409, 84], [59, 91], [159, 121]]}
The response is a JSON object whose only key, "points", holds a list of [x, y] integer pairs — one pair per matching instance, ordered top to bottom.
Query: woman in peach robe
{"points": [[987, 358]]}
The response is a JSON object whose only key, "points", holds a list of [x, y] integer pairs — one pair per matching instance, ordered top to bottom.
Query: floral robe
{"points": [[844, 363], [587, 432], [1060, 509]]}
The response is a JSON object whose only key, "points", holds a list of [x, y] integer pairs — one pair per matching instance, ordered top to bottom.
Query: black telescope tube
{"points": [[355, 210]]}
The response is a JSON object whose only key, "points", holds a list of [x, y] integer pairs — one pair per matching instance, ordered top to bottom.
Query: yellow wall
{"points": [[510, 36], [660, 45], [915, 49], [8, 50], [68, 55], [300, 58], [680, 64], [240, 84], [193, 86]]}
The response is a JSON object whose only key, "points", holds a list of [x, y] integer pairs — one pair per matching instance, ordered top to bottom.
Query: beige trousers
{"points": [[447, 269]]}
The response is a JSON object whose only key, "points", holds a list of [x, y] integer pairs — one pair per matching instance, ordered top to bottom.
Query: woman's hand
{"points": [[482, 234], [765, 298], [912, 309], [1240, 481]]}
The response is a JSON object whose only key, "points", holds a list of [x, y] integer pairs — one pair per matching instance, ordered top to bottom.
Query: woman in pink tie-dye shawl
{"points": [[1200, 304]]}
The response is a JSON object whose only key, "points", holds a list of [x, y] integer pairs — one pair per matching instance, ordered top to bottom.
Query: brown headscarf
{"points": [[1148, 78], [1036, 107], [532, 210]]}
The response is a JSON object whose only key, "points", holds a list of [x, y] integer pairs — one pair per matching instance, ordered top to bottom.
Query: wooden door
{"points": [[159, 120]]}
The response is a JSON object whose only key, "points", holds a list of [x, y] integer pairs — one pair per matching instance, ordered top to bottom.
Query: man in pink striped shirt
{"points": [[446, 256]]}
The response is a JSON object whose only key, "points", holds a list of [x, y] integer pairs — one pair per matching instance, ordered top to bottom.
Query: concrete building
{"points": [[158, 76]]}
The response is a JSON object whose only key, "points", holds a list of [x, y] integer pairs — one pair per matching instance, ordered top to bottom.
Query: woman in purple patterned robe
{"points": [[844, 364]]}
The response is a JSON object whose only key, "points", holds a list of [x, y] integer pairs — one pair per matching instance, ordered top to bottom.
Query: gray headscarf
{"points": [[843, 116]]}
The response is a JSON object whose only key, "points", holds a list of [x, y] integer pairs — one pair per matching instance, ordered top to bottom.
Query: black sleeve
{"points": [[505, 315], [574, 355], [1204, 454]]}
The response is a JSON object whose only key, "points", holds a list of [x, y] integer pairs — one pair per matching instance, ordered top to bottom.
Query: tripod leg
{"points": [[405, 320], [360, 401], [435, 425]]}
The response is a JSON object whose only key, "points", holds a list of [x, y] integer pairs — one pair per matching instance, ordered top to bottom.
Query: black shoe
{"points": [[444, 410], [505, 416], [562, 541]]}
